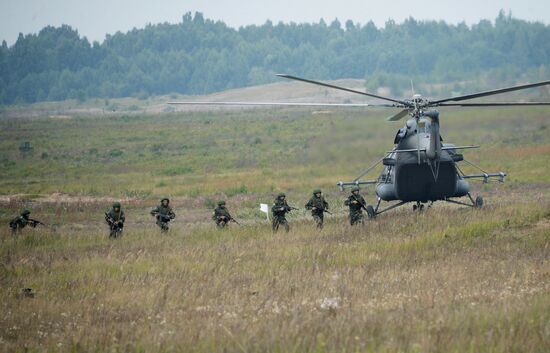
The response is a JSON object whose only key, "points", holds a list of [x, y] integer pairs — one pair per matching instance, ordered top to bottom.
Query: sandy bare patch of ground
{"points": [[60, 117], [55, 198]]}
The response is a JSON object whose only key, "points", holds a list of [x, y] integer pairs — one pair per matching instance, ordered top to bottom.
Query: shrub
{"points": [[115, 153]]}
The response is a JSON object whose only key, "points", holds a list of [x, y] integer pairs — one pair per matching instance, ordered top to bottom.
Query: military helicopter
{"points": [[420, 168]]}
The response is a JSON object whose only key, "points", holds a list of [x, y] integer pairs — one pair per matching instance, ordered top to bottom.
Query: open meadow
{"points": [[449, 279]]}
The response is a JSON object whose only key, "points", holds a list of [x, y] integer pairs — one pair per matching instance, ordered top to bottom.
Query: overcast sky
{"points": [[95, 18]]}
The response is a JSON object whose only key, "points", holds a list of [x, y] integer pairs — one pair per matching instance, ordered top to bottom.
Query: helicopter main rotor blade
{"points": [[490, 93], [401, 103], [282, 104], [506, 104], [399, 115]]}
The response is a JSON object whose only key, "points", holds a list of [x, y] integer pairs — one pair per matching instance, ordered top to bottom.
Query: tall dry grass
{"points": [[447, 280]]}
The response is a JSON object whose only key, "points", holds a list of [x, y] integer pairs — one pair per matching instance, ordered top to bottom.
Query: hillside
{"points": [[278, 92]]}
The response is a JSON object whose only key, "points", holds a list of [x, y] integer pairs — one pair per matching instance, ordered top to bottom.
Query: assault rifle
{"points": [[360, 203], [286, 208], [323, 209], [162, 217], [227, 219], [235, 221], [34, 222], [112, 222]]}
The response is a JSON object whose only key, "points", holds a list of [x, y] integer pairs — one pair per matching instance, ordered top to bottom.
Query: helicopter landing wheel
{"points": [[478, 202], [418, 207], [370, 212]]}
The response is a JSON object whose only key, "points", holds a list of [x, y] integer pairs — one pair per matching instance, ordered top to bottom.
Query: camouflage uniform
{"points": [[317, 205], [355, 208], [279, 210], [164, 214], [221, 215], [115, 219], [21, 222]]}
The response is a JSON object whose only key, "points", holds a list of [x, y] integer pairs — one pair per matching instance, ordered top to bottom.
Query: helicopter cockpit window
{"points": [[401, 133]]}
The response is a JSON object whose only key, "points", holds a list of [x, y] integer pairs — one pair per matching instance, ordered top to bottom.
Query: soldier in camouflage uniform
{"points": [[356, 203], [318, 206], [279, 210], [164, 214], [221, 215], [115, 218], [21, 221]]}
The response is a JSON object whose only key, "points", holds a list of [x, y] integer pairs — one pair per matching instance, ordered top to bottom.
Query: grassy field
{"points": [[251, 151], [447, 280]]}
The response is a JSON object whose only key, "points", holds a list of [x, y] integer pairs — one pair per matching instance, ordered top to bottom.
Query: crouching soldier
{"points": [[356, 204], [318, 206], [279, 210], [164, 214], [221, 215], [115, 218], [23, 220]]}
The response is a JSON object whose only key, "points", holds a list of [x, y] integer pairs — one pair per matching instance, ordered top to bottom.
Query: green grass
{"points": [[185, 154]]}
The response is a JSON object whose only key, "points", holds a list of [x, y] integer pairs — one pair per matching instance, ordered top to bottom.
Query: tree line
{"points": [[199, 55]]}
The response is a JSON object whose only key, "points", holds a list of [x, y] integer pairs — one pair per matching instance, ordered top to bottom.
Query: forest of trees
{"points": [[200, 56]]}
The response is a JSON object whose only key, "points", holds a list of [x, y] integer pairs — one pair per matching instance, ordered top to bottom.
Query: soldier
{"points": [[356, 203], [318, 206], [279, 211], [164, 214], [221, 215], [115, 218], [21, 221]]}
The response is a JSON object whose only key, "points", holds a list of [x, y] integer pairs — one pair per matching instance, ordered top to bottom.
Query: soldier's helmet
{"points": [[355, 188], [316, 191], [281, 195], [165, 199], [221, 203], [116, 205], [25, 213]]}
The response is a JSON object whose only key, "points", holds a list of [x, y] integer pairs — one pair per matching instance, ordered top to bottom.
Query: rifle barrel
{"points": [[37, 222]]}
